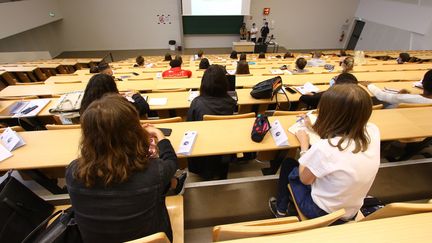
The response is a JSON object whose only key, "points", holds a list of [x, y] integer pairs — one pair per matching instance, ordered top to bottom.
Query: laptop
{"points": [[232, 87]]}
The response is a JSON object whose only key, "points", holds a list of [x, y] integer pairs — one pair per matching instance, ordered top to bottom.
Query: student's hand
{"points": [[364, 83], [403, 91], [306, 121], [153, 131], [303, 138]]}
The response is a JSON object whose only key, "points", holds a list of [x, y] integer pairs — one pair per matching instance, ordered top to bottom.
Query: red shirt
{"points": [[177, 72]]}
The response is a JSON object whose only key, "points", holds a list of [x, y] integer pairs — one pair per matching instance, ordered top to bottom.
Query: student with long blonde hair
{"points": [[337, 171]]}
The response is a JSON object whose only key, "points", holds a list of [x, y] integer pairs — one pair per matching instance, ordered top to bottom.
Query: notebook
{"points": [[307, 88], [313, 137]]}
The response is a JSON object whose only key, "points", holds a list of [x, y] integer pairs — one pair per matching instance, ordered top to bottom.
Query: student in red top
{"points": [[176, 70]]}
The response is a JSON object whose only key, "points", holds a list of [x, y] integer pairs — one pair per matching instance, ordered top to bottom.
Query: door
{"points": [[355, 36]]}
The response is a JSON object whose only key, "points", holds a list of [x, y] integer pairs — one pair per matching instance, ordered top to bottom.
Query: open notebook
{"points": [[313, 137]]}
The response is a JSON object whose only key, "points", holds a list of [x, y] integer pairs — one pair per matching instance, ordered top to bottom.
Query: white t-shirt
{"points": [[253, 32], [397, 98], [343, 178]]}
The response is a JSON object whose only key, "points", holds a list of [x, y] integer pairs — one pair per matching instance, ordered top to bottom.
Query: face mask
{"points": [[332, 82]]}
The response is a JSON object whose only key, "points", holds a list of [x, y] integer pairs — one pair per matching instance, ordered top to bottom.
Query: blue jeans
{"points": [[302, 193]]}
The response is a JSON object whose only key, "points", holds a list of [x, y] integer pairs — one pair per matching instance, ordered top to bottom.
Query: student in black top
{"points": [[264, 32], [233, 55], [261, 55], [167, 57], [242, 57], [139, 61], [204, 63], [242, 67], [101, 84], [213, 100], [311, 100], [117, 189]]}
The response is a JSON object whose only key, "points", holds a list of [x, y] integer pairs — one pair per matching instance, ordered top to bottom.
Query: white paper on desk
{"points": [[149, 65], [276, 71], [231, 72], [159, 75], [418, 84], [307, 88], [193, 95], [158, 101], [40, 103], [278, 134], [313, 137], [11, 140], [187, 142], [4, 153]]}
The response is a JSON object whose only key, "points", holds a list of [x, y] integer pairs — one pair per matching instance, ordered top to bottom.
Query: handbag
{"points": [[267, 88], [21, 210], [63, 229]]}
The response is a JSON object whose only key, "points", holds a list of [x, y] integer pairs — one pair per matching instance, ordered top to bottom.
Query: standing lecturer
{"points": [[253, 32], [264, 32]]}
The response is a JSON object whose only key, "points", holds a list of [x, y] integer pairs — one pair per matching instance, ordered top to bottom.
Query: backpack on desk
{"points": [[267, 88]]}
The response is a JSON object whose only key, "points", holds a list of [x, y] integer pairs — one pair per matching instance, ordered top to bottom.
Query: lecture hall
{"points": [[201, 121]]}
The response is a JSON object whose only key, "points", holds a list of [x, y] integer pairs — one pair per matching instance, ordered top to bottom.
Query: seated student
{"points": [[342, 53], [199, 55], [233, 55], [261, 55], [288, 55], [167, 57], [242, 57], [403, 58], [316, 60], [139, 61], [204, 63], [347, 65], [300, 66], [103, 68], [242, 68], [176, 70], [101, 84], [404, 96], [213, 100], [311, 100], [337, 171], [116, 189]]}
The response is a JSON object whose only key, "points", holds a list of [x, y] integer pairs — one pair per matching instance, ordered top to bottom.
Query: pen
{"points": [[307, 114]]}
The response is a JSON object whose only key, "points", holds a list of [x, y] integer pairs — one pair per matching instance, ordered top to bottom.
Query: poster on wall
{"points": [[163, 19]]}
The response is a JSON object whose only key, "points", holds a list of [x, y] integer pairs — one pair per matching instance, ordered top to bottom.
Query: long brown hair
{"points": [[344, 111], [113, 143]]}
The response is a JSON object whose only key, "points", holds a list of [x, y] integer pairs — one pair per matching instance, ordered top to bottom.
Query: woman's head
{"points": [[200, 53], [317, 54], [233, 55], [261, 55], [288, 55], [167, 57], [242, 57], [403, 57], [179, 58], [140, 60], [175, 63], [204, 63], [301, 63], [347, 64], [103, 68], [242, 68], [346, 78], [214, 82], [427, 83], [98, 86], [344, 111], [111, 146]]}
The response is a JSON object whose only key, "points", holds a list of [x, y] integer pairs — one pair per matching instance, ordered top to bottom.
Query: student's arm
{"points": [[385, 96], [306, 176]]}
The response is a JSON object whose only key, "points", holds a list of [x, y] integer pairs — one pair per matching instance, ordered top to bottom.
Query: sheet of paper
{"points": [[277, 71], [418, 84], [307, 88], [193, 95], [158, 101], [39, 104], [278, 134], [313, 137], [11, 140], [187, 142], [4, 153]]}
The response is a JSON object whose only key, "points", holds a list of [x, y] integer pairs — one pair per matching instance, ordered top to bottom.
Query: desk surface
{"points": [[18, 69], [57, 148], [411, 228]]}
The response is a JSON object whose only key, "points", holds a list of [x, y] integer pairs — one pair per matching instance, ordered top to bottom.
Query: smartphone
{"points": [[290, 90], [166, 131]]}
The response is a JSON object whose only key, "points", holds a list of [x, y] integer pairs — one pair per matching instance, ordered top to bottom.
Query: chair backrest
{"points": [[140, 79], [68, 82], [31, 83], [168, 90], [411, 105], [377, 107], [286, 113], [228, 117], [165, 120], [60, 127], [14, 128], [399, 209], [272, 226], [154, 238]]}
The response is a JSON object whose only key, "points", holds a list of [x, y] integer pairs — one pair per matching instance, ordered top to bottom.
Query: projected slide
{"points": [[216, 7]]}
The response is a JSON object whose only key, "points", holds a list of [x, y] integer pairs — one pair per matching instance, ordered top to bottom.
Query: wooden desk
{"points": [[243, 46], [18, 69], [57, 148], [410, 228]]}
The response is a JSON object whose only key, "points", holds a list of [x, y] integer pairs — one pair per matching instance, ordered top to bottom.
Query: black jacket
{"points": [[311, 101], [141, 104], [207, 105], [126, 211]]}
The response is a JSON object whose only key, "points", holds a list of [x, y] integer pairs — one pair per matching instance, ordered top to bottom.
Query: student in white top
{"points": [[253, 33], [316, 60], [404, 96], [337, 171]]}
